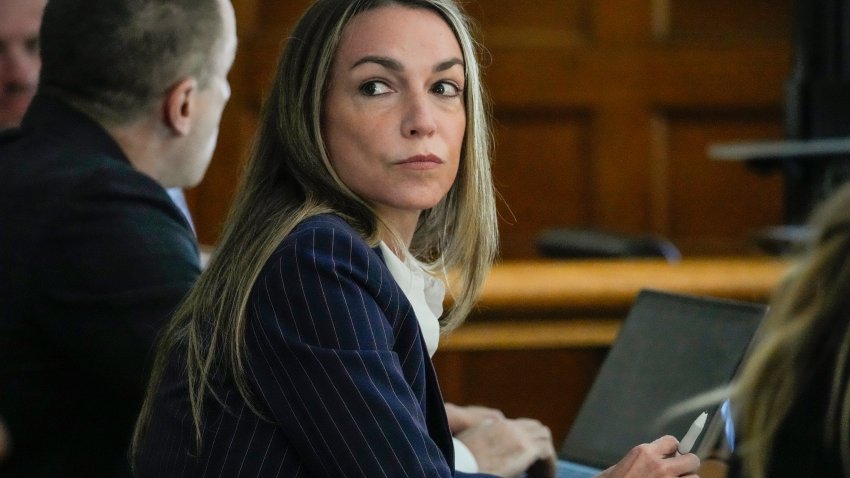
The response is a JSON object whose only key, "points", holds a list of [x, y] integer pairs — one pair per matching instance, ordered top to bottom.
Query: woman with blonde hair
{"points": [[305, 346], [793, 397]]}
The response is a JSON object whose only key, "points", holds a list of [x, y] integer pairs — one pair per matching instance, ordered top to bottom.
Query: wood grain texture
{"points": [[608, 288]]}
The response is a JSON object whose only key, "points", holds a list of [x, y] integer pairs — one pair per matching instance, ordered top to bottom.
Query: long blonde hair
{"points": [[289, 178], [807, 327]]}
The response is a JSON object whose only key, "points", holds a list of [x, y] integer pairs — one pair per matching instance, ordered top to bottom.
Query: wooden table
{"points": [[606, 287]]}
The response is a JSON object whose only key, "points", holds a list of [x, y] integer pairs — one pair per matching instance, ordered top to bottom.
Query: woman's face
{"points": [[394, 116]]}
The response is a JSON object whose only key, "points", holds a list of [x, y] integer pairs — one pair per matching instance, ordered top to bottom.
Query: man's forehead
{"points": [[20, 18]]}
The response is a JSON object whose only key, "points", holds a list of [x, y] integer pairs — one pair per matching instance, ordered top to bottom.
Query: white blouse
{"points": [[426, 293]]}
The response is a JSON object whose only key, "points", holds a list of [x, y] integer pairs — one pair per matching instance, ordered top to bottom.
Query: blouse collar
{"points": [[424, 292]]}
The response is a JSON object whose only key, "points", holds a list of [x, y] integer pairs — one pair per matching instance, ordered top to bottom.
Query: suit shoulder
{"points": [[50, 171], [324, 222], [321, 231], [327, 241]]}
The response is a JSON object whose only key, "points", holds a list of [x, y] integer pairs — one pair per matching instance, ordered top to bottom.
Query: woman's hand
{"points": [[462, 418], [509, 447], [658, 459]]}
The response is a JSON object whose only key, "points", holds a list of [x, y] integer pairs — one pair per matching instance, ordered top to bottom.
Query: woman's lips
{"points": [[421, 161]]}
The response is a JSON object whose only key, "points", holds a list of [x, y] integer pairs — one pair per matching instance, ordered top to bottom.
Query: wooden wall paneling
{"points": [[247, 13], [279, 17], [725, 21], [623, 22], [274, 23], [507, 23], [266, 47], [718, 77], [715, 78], [548, 80], [541, 168], [659, 172], [621, 183], [717, 206], [548, 384]]}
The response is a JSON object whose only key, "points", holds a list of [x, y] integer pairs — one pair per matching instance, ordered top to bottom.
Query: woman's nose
{"points": [[419, 119]]}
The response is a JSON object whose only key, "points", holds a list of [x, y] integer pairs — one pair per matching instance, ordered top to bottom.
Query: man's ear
{"points": [[179, 106]]}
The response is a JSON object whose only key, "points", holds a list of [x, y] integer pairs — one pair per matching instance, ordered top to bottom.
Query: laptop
{"points": [[670, 348]]}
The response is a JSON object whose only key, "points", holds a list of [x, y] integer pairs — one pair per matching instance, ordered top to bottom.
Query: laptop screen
{"points": [[670, 348]]}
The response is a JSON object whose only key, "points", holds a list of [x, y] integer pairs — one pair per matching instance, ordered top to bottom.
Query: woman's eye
{"points": [[374, 88], [445, 88]]}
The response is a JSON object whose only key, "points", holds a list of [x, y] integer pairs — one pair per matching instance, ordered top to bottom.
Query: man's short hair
{"points": [[114, 58]]}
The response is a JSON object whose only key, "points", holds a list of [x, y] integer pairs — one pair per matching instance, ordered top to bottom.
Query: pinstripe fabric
{"points": [[338, 364]]}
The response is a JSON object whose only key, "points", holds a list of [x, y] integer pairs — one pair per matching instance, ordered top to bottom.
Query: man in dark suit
{"points": [[19, 66], [94, 255]]}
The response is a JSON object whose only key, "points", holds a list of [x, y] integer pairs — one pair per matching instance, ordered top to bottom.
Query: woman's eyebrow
{"points": [[384, 61], [395, 65], [445, 65]]}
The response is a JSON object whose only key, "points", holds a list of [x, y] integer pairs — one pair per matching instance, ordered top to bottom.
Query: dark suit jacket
{"points": [[94, 256], [338, 366]]}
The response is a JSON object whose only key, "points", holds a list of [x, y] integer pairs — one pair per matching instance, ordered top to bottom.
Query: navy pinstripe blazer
{"points": [[338, 365]]}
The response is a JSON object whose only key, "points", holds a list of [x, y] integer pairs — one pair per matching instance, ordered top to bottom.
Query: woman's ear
{"points": [[179, 106]]}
